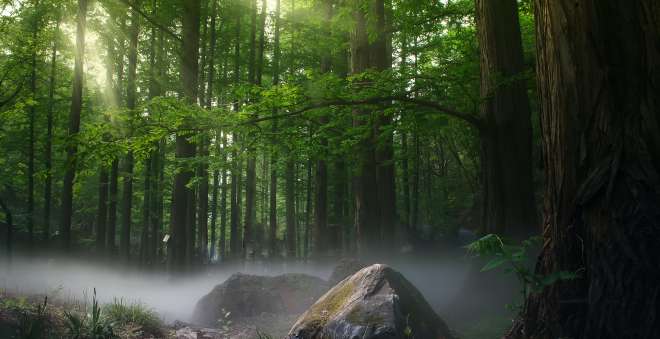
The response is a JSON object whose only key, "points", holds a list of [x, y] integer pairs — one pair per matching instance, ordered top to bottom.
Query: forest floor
{"points": [[139, 305], [22, 316], [35, 316]]}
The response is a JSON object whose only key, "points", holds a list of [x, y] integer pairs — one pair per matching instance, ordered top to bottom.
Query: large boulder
{"points": [[243, 295], [375, 303]]}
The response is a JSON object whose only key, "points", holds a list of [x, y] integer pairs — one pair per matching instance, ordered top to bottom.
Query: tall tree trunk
{"points": [[262, 43], [277, 53], [115, 56], [203, 56], [381, 57], [598, 83], [209, 96], [131, 105], [31, 117], [74, 127], [405, 152], [48, 157], [151, 177], [251, 177], [405, 178], [372, 192], [203, 195], [182, 196], [340, 197], [159, 201], [223, 201], [414, 203], [289, 205], [509, 206], [146, 207], [214, 209], [308, 210], [102, 213], [191, 218], [111, 227], [10, 230], [320, 237], [235, 239]]}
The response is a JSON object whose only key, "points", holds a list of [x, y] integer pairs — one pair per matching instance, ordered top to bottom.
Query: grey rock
{"points": [[243, 295], [375, 303]]}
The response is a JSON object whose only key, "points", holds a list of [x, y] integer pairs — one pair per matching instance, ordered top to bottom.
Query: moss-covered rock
{"points": [[375, 303]]}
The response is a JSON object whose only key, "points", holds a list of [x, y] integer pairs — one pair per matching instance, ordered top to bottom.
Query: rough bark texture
{"points": [[598, 74], [506, 135], [374, 194], [182, 195]]}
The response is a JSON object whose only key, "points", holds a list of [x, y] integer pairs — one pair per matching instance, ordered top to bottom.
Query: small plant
{"points": [[516, 258], [132, 315], [33, 322], [224, 323], [96, 328], [407, 331]]}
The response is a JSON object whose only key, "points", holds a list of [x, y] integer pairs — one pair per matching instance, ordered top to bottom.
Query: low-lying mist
{"points": [[443, 280]]}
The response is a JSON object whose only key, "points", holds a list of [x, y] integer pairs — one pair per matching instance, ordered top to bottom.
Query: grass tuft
{"points": [[131, 315]]}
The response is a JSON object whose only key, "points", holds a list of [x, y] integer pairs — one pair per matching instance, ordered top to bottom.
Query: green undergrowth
{"points": [[133, 316], [26, 318]]}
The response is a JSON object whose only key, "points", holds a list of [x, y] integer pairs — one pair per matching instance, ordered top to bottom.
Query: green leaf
{"points": [[494, 263]]}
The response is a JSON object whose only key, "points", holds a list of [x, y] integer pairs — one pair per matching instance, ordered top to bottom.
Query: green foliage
{"points": [[515, 259], [122, 314], [33, 319], [34, 322], [89, 325], [407, 331]]}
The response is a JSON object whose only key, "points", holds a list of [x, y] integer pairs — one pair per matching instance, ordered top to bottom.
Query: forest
{"points": [[381, 169]]}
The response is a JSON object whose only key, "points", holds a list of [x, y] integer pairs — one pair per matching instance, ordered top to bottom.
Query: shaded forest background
{"points": [[283, 133], [173, 134]]}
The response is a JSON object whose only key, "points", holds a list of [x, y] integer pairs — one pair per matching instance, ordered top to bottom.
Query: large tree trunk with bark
{"points": [[598, 75], [131, 104], [31, 118], [74, 127], [506, 133], [48, 156], [251, 170], [374, 194], [182, 196], [290, 208], [102, 213], [272, 215], [111, 226], [320, 237]]}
